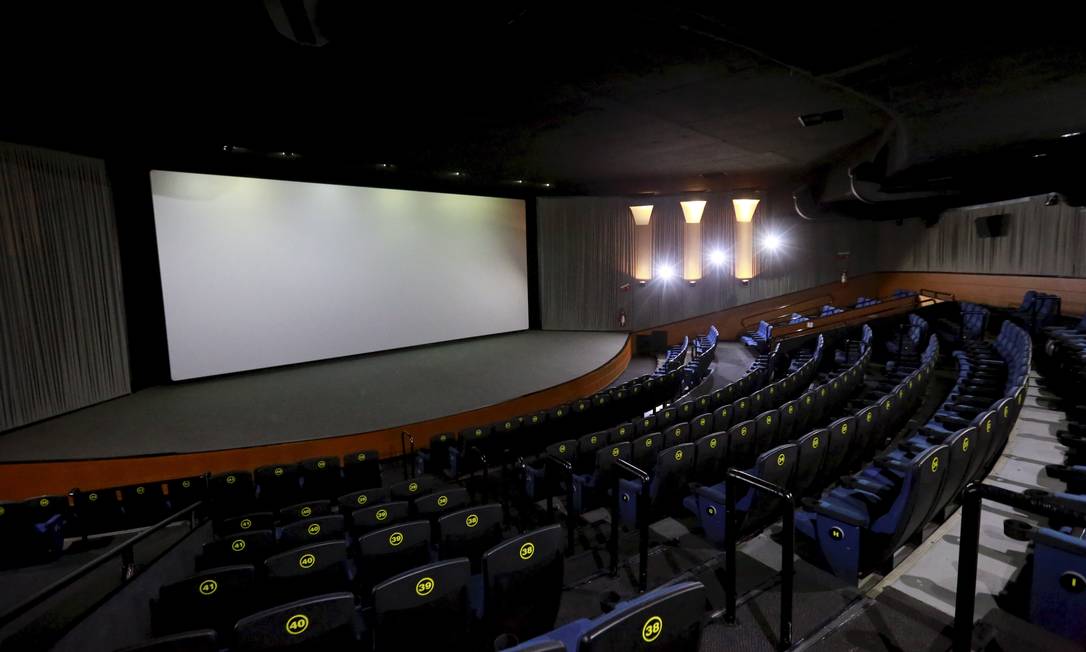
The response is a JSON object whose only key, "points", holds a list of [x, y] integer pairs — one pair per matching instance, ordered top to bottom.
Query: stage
{"points": [[335, 398]]}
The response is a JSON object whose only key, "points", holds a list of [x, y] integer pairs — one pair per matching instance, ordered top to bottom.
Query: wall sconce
{"points": [[642, 242], [743, 247], [692, 253]]}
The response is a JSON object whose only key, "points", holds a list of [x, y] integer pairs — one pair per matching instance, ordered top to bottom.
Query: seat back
{"points": [[789, 415], [722, 417], [645, 425], [701, 425], [765, 430], [621, 432], [678, 433], [842, 434], [866, 440], [741, 445], [587, 446], [644, 449], [961, 449], [811, 451], [606, 456], [711, 458], [777, 466], [362, 469], [674, 471], [929, 471], [321, 477], [277, 485], [412, 488], [185, 491], [231, 492], [359, 499], [443, 501], [144, 504], [99, 510], [305, 510], [379, 516], [244, 523], [311, 530], [470, 532], [238, 548], [392, 550], [308, 570], [522, 583], [212, 599], [1057, 600], [425, 608], [668, 618], [322, 623]]}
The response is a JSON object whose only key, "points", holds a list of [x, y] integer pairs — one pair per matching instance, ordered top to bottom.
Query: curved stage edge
{"points": [[20, 480]]}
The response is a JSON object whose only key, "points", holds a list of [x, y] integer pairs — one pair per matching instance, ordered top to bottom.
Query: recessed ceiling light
{"points": [[1071, 134], [1039, 155], [519, 181], [547, 185]]}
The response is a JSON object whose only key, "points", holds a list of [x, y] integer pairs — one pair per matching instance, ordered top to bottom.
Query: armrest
{"points": [[710, 494]]}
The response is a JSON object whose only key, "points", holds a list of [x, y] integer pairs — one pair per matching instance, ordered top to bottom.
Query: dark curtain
{"points": [[1040, 240], [62, 330]]}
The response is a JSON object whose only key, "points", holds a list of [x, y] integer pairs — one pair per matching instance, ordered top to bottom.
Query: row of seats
{"points": [[1037, 311], [591, 457], [857, 527], [513, 591]]}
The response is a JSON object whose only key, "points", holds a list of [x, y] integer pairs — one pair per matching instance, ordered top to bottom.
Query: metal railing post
{"points": [[408, 460], [732, 481], [570, 519], [968, 543]]}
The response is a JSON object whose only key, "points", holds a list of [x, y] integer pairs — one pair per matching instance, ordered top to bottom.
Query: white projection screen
{"points": [[259, 273]]}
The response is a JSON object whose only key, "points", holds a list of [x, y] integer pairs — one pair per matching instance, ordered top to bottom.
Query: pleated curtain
{"points": [[62, 329]]}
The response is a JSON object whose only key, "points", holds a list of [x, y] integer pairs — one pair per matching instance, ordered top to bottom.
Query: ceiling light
{"points": [[1071, 134], [519, 181], [547, 185]]}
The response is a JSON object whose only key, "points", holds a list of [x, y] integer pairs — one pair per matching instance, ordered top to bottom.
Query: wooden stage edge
{"points": [[19, 480]]}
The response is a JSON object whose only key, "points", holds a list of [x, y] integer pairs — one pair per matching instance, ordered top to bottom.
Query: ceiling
{"points": [[593, 100]]}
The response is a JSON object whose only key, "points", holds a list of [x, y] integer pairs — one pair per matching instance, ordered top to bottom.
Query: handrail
{"points": [[942, 296], [757, 317], [845, 319], [403, 450], [483, 463], [622, 466], [732, 480], [570, 519], [969, 544], [123, 549]]}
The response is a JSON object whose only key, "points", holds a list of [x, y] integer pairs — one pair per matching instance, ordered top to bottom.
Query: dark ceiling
{"points": [[617, 99]]}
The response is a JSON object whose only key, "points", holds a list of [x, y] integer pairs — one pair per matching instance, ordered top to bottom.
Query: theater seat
{"points": [[362, 469], [359, 499], [378, 516], [312, 530], [469, 532], [250, 547], [392, 550], [308, 570], [522, 584], [1057, 598], [213, 599], [425, 608], [667, 618], [326, 622]]}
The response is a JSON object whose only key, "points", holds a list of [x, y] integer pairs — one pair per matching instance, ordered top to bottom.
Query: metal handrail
{"points": [[757, 317], [407, 461], [622, 466], [486, 474], [732, 480], [570, 519], [969, 545], [123, 549]]}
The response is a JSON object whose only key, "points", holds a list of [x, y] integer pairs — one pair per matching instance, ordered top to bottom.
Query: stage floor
{"points": [[315, 400]]}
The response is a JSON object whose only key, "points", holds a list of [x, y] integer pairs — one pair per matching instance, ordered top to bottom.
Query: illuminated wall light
{"points": [[692, 211], [642, 242], [772, 242], [743, 248], [717, 258], [666, 272]]}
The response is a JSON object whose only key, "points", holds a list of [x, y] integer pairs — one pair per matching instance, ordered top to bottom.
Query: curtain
{"points": [[1040, 240], [586, 258], [62, 329]]}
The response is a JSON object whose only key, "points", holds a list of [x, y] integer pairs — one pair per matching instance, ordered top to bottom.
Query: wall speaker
{"points": [[991, 226]]}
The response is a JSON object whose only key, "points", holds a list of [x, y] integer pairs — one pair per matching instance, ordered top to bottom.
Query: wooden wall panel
{"points": [[991, 289]]}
